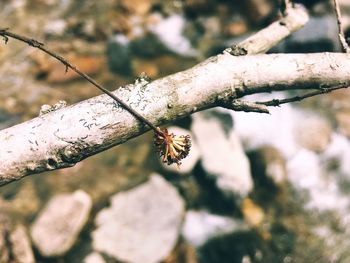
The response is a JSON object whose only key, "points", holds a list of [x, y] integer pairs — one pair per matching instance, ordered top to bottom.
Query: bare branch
{"points": [[341, 34], [268, 37], [36, 44], [278, 102], [64, 137]]}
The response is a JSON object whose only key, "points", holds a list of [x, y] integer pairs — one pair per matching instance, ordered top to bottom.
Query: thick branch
{"points": [[62, 138]]}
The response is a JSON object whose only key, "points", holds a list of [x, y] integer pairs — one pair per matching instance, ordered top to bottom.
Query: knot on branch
{"points": [[241, 105]]}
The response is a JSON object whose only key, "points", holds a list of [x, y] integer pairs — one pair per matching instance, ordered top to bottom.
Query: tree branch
{"points": [[341, 34], [268, 37], [278, 102], [64, 137], [61, 138]]}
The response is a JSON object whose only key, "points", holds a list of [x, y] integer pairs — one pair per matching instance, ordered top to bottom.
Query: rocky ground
{"points": [[255, 188]]}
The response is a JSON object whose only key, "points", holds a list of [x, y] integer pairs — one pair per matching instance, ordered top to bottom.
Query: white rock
{"points": [[55, 27], [169, 31], [287, 128], [275, 129], [339, 149], [222, 155], [190, 161], [305, 173], [142, 224], [200, 226], [56, 229], [94, 257]]}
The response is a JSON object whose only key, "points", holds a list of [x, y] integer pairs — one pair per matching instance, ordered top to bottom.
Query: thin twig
{"points": [[285, 6], [341, 34], [36, 44], [278, 102]]}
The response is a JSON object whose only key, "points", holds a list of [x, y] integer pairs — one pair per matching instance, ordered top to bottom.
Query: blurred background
{"points": [[255, 188]]}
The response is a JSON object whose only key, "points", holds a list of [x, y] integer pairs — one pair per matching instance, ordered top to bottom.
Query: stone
{"points": [[138, 7], [258, 10], [55, 27], [169, 31], [320, 34], [119, 54], [88, 64], [55, 72], [7, 120], [343, 121], [276, 129], [288, 129], [313, 132], [338, 152], [222, 155], [191, 160], [268, 165], [306, 173], [252, 213], [142, 224], [200, 226], [56, 229], [14, 242], [21, 249], [4, 251], [183, 252], [94, 257]]}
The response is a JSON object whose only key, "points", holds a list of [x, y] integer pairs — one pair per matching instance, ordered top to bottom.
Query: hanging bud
{"points": [[170, 147]]}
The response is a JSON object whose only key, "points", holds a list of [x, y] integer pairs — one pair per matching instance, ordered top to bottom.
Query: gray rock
{"points": [[318, 35], [119, 55], [222, 155], [191, 160], [268, 165], [142, 224], [200, 226], [57, 228]]}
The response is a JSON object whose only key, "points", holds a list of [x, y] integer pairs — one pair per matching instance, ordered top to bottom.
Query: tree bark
{"points": [[66, 136]]}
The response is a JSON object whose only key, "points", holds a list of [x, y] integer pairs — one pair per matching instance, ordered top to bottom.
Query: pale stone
{"points": [[313, 132], [222, 155], [142, 224], [200, 226], [57, 228], [21, 249], [94, 257]]}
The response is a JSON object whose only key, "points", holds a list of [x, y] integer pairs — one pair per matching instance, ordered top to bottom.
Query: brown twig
{"points": [[341, 34], [36, 44], [278, 102]]}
